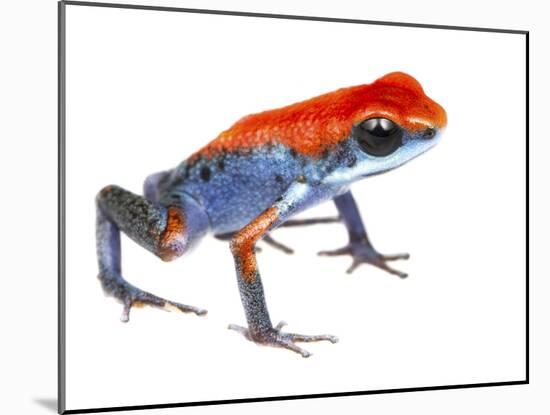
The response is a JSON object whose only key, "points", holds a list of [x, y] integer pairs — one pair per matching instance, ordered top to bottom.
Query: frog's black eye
{"points": [[378, 136]]}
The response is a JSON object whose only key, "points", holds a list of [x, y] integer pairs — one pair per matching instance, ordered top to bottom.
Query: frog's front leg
{"points": [[165, 230], [359, 245], [260, 329]]}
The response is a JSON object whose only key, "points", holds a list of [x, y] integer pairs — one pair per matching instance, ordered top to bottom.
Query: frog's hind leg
{"points": [[165, 229]]}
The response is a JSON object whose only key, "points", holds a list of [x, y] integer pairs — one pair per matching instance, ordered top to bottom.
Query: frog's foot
{"points": [[363, 252], [131, 296], [276, 338]]}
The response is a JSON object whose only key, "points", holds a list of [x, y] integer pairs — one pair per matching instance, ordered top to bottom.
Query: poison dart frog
{"points": [[258, 174]]}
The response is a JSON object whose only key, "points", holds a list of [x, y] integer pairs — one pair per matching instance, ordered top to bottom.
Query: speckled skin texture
{"points": [[255, 176]]}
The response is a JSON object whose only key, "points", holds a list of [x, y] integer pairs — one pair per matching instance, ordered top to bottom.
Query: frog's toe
{"points": [[345, 250], [363, 253], [395, 257], [380, 263], [131, 296], [274, 337]]}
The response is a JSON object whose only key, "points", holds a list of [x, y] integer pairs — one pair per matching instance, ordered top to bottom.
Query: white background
{"points": [[150, 88], [31, 344]]}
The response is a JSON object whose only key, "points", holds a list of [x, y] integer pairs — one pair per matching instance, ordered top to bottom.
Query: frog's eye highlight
{"points": [[379, 127], [378, 136]]}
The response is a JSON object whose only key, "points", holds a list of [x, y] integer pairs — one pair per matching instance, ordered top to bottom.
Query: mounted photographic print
{"points": [[259, 207]]}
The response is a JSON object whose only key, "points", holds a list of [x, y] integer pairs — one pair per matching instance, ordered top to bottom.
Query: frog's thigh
{"points": [[165, 229]]}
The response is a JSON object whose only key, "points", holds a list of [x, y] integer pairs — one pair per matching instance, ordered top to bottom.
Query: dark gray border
{"points": [[292, 17], [62, 198], [61, 310]]}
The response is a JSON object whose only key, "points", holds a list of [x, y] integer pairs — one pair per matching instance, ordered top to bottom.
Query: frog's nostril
{"points": [[429, 133]]}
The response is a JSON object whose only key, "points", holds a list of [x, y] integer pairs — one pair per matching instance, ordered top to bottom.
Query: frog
{"points": [[255, 177]]}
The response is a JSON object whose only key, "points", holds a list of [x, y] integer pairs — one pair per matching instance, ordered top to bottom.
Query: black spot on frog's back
{"points": [[205, 173]]}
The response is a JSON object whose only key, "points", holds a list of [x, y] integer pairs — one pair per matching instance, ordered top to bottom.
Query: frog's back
{"points": [[308, 127], [247, 167], [234, 187]]}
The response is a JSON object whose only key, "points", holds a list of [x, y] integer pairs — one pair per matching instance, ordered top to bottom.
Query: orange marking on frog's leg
{"points": [[311, 127], [173, 240], [242, 244]]}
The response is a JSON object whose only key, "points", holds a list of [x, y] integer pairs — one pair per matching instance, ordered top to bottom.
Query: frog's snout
{"points": [[432, 133]]}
